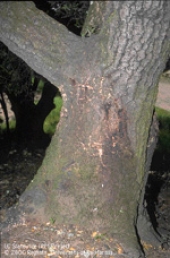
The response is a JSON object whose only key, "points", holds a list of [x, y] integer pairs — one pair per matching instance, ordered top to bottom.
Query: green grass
{"points": [[53, 118], [50, 122], [12, 124], [164, 132]]}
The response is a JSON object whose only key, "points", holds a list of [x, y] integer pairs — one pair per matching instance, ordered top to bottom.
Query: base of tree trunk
{"points": [[31, 211], [31, 216], [146, 231]]}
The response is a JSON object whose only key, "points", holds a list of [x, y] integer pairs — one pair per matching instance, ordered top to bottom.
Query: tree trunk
{"points": [[5, 110], [30, 117], [94, 171]]}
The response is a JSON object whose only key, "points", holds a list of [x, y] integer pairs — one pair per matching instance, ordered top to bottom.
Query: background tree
{"points": [[19, 82], [5, 110], [95, 170]]}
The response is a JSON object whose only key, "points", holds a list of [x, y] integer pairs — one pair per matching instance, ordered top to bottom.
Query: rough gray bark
{"points": [[94, 170]]}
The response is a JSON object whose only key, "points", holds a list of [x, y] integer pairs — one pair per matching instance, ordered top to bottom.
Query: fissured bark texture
{"points": [[94, 170]]}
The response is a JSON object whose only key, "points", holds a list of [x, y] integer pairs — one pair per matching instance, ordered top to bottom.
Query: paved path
{"points": [[163, 97]]}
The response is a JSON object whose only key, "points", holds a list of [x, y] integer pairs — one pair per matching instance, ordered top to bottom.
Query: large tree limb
{"points": [[44, 44]]}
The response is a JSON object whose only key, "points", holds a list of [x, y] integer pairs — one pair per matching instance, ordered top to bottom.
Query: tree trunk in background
{"points": [[5, 110], [30, 117], [94, 171]]}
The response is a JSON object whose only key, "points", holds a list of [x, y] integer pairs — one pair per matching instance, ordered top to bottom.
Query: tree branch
{"points": [[44, 44]]}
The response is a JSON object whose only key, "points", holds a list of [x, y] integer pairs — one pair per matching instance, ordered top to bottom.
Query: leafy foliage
{"points": [[75, 11], [15, 75]]}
